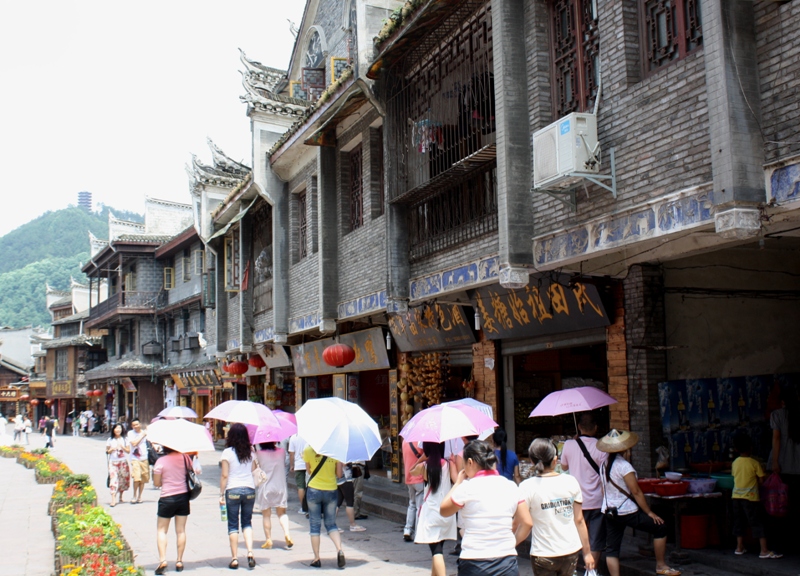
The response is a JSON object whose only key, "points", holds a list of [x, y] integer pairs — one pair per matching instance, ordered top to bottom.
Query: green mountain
{"points": [[47, 250]]}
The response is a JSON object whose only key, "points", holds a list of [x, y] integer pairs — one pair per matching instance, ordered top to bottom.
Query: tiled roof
{"points": [[143, 238], [62, 302], [73, 318], [78, 340], [122, 367]]}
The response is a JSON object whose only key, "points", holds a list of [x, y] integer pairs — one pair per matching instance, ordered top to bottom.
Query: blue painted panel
{"points": [[785, 183]]}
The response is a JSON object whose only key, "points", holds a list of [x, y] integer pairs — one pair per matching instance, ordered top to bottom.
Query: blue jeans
{"points": [[240, 501], [321, 502]]}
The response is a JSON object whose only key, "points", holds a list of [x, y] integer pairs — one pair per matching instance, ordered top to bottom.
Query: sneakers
{"points": [[357, 528], [407, 537], [770, 556]]}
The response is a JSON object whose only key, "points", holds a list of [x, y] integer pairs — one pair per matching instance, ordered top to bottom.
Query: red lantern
{"points": [[338, 355], [257, 361], [236, 368], [96, 393], [24, 398], [34, 402], [48, 402]]}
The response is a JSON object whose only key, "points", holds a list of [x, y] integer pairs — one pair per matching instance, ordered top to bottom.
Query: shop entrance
{"points": [[536, 374]]}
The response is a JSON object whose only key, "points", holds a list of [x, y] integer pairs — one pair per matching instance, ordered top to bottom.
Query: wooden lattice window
{"points": [[671, 29], [576, 49], [313, 82], [378, 159], [356, 188], [302, 226], [232, 261], [62, 364]]}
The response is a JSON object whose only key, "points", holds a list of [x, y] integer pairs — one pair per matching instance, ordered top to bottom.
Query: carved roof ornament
{"points": [[268, 77], [262, 85], [226, 162], [223, 173], [96, 245]]}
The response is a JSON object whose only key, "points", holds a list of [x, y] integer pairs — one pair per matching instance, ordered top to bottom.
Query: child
{"points": [[748, 474]]}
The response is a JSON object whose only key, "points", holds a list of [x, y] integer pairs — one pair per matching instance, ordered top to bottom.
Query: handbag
{"points": [[152, 455], [355, 471], [259, 476], [310, 478], [192, 483], [775, 495]]}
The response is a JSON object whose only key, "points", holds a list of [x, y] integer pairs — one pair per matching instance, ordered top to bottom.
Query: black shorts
{"points": [[346, 494], [172, 506], [747, 513], [596, 526], [615, 530], [436, 548], [507, 566]]}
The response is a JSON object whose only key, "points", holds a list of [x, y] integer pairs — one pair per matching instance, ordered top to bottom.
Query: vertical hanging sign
{"points": [[339, 386], [311, 388], [352, 388], [394, 425]]}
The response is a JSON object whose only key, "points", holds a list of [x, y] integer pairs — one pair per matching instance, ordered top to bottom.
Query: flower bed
{"points": [[11, 451], [29, 459], [50, 470], [73, 490], [90, 532], [99, 565]]}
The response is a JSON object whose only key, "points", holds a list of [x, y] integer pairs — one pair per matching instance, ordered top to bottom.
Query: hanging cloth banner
{"points": [[542, 307]]}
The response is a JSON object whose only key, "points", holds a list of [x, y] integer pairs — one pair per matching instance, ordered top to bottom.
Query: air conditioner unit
{"points": [[566, 147]]}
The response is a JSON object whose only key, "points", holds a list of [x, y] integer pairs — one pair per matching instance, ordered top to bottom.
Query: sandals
{"points": [[357, 528], [289, 542], [267, 545], [740, 553], [770, 556], [340, 559], [251, 562], [316, 563], [234, 565], [178, 566], [161, 568], [668, 572]]}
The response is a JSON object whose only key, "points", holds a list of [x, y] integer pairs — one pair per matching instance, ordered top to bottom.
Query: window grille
{"points": [[671, 29], [576, 48], [313, 82], [378, 159], [356, 188], [459, 213], [302, 227], [232, 261], [199, 262], [186, 265], [169, 278], [62, 364]]}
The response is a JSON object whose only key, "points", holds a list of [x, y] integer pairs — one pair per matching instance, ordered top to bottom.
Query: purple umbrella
{"points": [[572, 400], [269, 432]]}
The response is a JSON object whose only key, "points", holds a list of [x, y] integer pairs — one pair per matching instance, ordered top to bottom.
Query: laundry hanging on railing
{"points": [[426, 134]]}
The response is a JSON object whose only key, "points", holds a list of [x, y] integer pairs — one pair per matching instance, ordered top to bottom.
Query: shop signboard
{"points": [[543, 307], [431, 327], [368, 345], [275, 356], [128, 385], [339, 386], [352, 387], [61, 389], [9, 394], [394, 424]]}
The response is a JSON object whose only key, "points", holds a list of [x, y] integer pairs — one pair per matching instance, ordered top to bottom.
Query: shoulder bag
{"points": [[588, 456], [259, 476], [310, 478], [192, 482], [613, 511]]}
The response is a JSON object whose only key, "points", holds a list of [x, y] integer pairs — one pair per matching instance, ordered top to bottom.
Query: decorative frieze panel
{"points": [[454, 279], [369, 304]]}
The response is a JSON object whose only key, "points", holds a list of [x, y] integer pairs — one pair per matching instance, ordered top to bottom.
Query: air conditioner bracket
{"points": [[568, 196]]}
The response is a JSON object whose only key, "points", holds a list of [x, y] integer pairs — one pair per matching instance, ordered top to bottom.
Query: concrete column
{"points": [[734, 110], [278, 192], [515, 208], [328, 238], [246, 296], [222, 299], [647, 366]]}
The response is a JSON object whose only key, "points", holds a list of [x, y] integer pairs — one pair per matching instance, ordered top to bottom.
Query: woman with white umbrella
{"points": [[322, 497]]}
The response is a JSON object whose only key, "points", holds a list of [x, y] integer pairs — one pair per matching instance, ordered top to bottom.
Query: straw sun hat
{"points": [[617, 441]]}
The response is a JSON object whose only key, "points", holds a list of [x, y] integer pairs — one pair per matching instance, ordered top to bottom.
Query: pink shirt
{"points": [[572, 457], [409, 459], [172, 468]]}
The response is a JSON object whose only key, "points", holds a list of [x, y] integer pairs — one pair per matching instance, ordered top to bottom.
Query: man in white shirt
{"points": [[575, 461], [140, 466], [298, 466]]}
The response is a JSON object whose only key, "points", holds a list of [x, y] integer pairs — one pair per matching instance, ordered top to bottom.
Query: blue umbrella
{"points": [[339, 429]]}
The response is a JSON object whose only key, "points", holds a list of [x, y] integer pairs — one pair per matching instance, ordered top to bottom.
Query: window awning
{"points": [[233, 221]]}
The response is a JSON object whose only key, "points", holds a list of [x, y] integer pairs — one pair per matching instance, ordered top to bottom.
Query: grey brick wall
{"points": [[778, 52], [454, 256], [149, 275], [304, 286], [262, 320], [234, 329]]}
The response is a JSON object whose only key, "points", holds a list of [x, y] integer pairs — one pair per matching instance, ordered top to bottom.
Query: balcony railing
{"points": [[130, 301]]}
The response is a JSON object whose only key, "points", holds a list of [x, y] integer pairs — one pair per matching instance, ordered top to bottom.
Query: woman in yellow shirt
{"points": [[322, 497]]}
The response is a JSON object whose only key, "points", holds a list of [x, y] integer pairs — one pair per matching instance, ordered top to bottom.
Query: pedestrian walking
{"points": [[42, 422], [19, 428], [28, 430], [49, 432], [412, 456], [583, 460], [507, 462], [140, 466], [298, 467], [359, 473], [119, 474], [169, 474], [237, 491], [273, 493], [346, 495], [322, 496], [621, 496], [554, 501], [492, 512], [432, 527]]}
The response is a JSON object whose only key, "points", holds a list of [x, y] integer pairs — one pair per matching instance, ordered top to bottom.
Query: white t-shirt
{"points": [[117, 446], [296, 446], [139, 451], [579, 467], [240, 474], [614, 498], [550, 500], [488, 503]]}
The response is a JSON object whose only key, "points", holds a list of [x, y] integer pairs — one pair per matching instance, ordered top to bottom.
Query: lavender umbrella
{"points": [[572, 400]]}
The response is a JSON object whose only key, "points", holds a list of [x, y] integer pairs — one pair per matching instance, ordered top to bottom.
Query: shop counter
{"points": [[678, 504]]}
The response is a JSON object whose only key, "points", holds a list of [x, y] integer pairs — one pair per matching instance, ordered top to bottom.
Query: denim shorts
{"points": [[240, 502], [321, 503]]}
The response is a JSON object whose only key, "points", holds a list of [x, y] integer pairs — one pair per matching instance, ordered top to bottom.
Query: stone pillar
{"points": [[734, 110], [278, 192], [515, 209], [328, 238], [246, 296], [617, 364], [647, 366]]}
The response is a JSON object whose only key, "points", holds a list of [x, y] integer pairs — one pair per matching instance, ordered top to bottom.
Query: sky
{"points": [[114, 97]]}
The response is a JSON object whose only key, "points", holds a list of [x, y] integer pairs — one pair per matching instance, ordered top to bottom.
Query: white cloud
{"points": [[114, 97]]}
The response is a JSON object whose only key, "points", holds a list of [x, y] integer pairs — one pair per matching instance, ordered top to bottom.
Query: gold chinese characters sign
{"points": [[542, 307], [431, 327], [368, 345], [60, 389], [9, 394]]}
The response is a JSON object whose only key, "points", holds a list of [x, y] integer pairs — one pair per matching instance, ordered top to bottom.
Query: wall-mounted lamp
{"points": [[477, 320], [388, 340]]}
